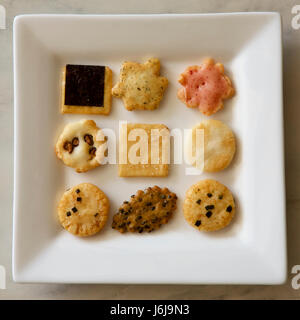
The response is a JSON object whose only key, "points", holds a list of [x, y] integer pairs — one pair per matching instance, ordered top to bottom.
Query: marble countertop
{"points": [[291, 74]]}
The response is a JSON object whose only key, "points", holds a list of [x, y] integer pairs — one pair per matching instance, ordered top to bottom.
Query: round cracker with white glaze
{"points": [[77, 145]]}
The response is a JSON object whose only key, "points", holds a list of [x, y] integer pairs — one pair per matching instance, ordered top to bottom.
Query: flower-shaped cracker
{"points": [[140, 85], [205, 87]]}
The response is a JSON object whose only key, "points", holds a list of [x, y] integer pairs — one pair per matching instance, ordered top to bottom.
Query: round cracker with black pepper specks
{"points": [[140, 85], [77, 145], [208, 206], [83, 210], [146, 211]]}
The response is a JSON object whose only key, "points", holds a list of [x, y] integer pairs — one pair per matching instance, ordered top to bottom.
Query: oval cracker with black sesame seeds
{"points": [[208, 206], [83, 210], [146, 211]]}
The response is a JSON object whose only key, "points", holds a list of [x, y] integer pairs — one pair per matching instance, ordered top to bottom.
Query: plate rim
{"points": [[17, 277]]}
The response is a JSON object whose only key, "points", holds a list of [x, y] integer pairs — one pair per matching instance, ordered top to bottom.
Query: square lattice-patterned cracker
{"points": [[86, 89], [158, 169]]}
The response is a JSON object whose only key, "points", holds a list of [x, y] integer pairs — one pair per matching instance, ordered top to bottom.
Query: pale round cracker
{"points": [[219, 145]]}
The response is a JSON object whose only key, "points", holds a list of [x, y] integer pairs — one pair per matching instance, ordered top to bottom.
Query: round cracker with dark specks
{"points": [[208, 206], [83, 210]]}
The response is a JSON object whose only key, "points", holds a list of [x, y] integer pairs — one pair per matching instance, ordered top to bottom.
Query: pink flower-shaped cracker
{"points": [[205, 87]]}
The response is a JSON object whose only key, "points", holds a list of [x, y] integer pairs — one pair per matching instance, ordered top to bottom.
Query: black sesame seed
{"points": [[77, 190], [209, 195], [133, 196], [220, 196], [79, 199], [198, 201], [125, 202], [165, 203], [149, 204], [210, 207], [153, 208], [74, 209], [229, 209], [122, 210], [68, 213], [96, 214], [208, 214], [138, 218], [197, 223], [141, 230]]}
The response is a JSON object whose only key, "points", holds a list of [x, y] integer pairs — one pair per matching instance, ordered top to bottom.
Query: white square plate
{"points": [[251, 250]]}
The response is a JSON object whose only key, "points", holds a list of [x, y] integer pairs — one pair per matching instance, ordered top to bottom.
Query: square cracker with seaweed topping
{"points": [[86, 89]]}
